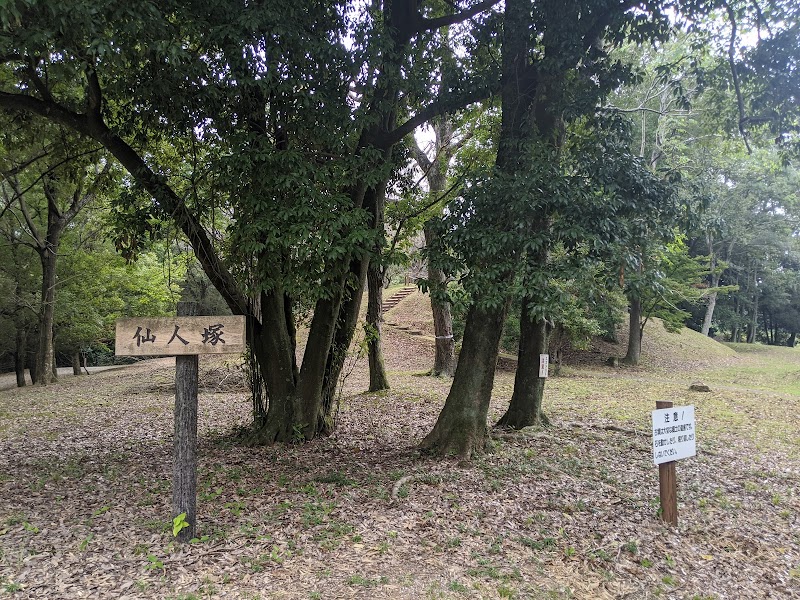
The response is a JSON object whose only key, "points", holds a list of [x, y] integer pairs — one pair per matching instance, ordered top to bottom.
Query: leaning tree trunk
{"points": [[712, 303], [347, 320], [374, 329], [634, 333], [343, 336], [792, 340], [19, 356], [444, 362], [311, 382], [525, 408], [461, 427]]}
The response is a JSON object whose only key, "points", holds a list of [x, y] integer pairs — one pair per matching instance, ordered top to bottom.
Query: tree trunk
{"points": [[376, 199], [715, 277], [712, 302], [753, 326], [374, 329], [635, 333], [343, 337], [792, 339], [273, 349], [44, 354], [19, 356], [31, 358], [76, 362], [444, 362], [311, 382], [526, 401], [302, 405], [461, 427]]}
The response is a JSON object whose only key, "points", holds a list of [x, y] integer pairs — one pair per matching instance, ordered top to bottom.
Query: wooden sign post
{"points": [[185, 337], [673, 439]]}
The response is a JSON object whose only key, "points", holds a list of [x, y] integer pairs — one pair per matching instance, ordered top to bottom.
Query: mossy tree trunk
{"points": [[378, 379], [525, 408], [461, 428]]}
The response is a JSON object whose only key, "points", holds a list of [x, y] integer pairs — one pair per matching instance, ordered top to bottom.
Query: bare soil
{"points": [[566, 512]]}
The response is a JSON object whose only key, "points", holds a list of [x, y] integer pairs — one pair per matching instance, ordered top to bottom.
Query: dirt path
{"points": [[9, 380]]}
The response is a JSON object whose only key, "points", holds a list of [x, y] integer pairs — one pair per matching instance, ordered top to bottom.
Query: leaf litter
{"points": [[570, 511]]}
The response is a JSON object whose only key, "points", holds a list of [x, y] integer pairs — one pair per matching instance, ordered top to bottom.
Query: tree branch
{"points": [[460, 17], [30, 69], [735, 75], [94, 96], [440, 106], [47, 109], [96, 129], [419, 155], [24, 165], [52, 201], [79, 201], [418, 212], [33, 230]]}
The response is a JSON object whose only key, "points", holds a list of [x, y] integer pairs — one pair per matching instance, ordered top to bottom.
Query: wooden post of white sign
{"points": [[184, 468], [667, 483]]}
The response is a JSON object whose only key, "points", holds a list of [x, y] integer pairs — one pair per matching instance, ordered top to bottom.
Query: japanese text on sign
{"points": [[172, 336], [544, 364], [673, 434]]}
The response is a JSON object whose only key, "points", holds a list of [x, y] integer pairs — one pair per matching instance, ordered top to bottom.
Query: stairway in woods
{"points": [[397, 297]]}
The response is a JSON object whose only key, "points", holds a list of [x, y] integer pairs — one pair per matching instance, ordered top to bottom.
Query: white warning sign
{"points": [[673, 434]]}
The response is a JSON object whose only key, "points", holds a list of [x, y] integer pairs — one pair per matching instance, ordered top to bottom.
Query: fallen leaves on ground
{"points": [[565, 512]]}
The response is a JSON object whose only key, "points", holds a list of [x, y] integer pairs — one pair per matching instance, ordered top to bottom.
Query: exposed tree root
{"points": [[605, 427], [526, 433]]}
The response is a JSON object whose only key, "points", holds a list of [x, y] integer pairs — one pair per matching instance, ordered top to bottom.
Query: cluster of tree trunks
{"points": [[302, 397]]}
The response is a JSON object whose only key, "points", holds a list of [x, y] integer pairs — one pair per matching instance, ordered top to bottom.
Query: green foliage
{"points": [[588, 203], [678, 280], [98, 287], [179, 523]]}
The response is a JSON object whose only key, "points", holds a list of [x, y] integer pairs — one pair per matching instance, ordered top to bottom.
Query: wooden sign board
{"points": [[179, 336], [673, 434]]}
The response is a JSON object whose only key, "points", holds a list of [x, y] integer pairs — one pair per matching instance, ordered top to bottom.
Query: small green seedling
{"points": [[179, 524]]}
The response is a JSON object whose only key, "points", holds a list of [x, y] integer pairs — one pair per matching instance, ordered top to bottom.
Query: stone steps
{"points": [[397, 297]]}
